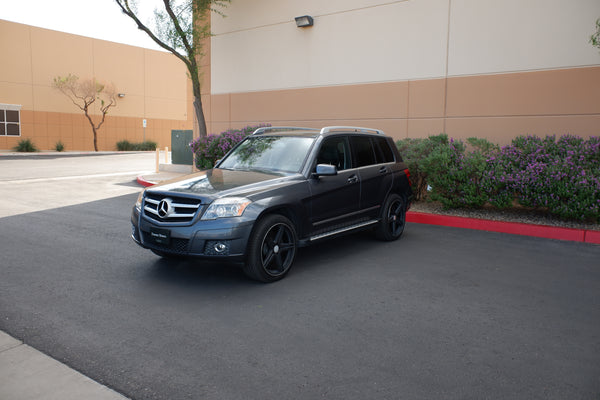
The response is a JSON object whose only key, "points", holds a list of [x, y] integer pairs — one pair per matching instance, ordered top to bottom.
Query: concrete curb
{"points": [[146, 183], [513, 228]]}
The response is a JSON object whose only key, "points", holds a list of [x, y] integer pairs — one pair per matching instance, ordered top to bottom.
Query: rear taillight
{"points": [[407, 173]]}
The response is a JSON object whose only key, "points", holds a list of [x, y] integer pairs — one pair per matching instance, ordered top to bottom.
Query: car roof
{"points": [[313, 132]]}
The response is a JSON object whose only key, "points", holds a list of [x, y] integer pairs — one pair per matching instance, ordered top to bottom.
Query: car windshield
{"points": [[269, 153]]}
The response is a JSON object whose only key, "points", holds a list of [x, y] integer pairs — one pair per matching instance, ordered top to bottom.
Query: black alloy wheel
{"points": [[393, 219], [271, 249]]}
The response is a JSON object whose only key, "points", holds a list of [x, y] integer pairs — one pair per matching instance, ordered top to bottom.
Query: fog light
{"points": [[217, 248]]}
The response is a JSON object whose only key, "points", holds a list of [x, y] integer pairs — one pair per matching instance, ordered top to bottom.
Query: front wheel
{"points": [[393, 219], [271, 249]]}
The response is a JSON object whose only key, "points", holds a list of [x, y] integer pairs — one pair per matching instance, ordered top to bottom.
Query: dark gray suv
{"points": [[279, 189]]}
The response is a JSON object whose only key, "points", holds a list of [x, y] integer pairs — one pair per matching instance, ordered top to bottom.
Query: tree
{"points": [[180, 29], [595, 38], [84, 94]]}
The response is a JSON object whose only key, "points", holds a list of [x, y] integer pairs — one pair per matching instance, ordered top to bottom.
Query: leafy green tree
{"points": [[180, 28], [595, 38], [84, 94]]}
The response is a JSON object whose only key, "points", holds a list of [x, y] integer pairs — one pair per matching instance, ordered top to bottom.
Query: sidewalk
{"points": [[27, 374]]}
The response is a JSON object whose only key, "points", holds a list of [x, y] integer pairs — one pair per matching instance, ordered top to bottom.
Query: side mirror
{"points": [[325, 170]]}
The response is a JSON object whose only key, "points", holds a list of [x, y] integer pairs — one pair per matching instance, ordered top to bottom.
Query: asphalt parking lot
{"points": [[443, 313]]}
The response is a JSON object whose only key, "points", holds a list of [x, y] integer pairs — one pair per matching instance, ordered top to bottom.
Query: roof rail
{"points": [[351, 128], [264, 129]]}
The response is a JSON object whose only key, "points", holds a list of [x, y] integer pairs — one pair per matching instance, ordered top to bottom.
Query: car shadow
{"points": [[334, 254]]}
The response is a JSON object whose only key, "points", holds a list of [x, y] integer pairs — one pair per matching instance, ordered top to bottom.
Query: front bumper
{"points": [[225, 238]]}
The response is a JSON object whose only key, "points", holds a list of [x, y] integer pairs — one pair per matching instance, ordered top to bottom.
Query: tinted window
{"points": [[12, 116], [9, 120], [335, 151], [363, 151], [384, 153]]}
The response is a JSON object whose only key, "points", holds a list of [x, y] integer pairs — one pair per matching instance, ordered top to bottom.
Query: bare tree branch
{"points": [[181, 25], [84, 94]]}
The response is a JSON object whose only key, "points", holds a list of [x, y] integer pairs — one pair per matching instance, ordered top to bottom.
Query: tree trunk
{"points": [[200, 117], [95, 139]]}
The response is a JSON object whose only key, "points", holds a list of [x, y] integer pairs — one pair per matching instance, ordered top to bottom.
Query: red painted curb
{"points": [[144, 182], [515, 228], [592, 237]]}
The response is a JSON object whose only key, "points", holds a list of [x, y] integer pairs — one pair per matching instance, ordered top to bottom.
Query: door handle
{"points": [[383, 170], [353, 179]]}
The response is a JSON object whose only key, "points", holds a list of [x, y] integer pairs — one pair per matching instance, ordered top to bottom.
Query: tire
{"points": [[393, 219], [271, 249]]}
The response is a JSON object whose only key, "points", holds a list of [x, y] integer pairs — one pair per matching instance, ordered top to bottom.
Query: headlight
{"points": [[138, 203], [226, 207]]}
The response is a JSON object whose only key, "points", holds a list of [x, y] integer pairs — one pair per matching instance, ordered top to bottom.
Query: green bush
{"points": [[125, 145], [25, 146], [59, 146], [414, 151], [455, 174], [560, 176]]}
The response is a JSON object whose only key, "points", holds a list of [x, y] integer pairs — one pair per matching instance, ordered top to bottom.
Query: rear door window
{"points": [[363, 151]]}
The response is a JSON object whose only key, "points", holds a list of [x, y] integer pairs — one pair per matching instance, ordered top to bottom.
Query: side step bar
{"points": [[342, 230]]}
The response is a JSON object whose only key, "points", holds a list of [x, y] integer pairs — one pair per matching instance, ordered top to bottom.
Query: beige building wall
{"points": [[413, 68], [154, 84]]}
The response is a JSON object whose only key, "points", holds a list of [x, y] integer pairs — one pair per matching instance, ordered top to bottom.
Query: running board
{"points": [[342, 230]]}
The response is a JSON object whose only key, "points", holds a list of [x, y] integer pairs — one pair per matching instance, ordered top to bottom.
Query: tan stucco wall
{"points": [[412, 68], [155, 85], [498, 107]]}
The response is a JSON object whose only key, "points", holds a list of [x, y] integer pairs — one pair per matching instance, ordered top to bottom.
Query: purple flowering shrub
{"points": [[209, 149], [561, 176]]}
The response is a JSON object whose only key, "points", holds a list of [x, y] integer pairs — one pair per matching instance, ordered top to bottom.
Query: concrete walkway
{"points": [[27, 374]]}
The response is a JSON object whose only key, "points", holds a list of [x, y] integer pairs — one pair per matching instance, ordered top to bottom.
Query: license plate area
{"points": [[160, 236]]}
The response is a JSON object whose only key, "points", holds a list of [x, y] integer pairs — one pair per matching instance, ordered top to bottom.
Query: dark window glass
{"points": [[2, 116], [12, 116], [2, 129], [12, 129], [335, 151], [363, 151], [384, 153]]}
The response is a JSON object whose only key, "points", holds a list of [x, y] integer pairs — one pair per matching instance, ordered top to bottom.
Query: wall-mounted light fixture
{"points": [[304, 21], [121, 95]]}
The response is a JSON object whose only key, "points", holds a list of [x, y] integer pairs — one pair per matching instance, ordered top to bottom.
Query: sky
{"points": [[99, 19]]}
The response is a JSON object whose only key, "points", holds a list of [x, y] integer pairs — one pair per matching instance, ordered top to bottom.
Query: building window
{"points": [[10, 120]]}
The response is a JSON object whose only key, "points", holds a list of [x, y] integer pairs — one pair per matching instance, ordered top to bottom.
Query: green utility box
{"points": [[180, 147]]}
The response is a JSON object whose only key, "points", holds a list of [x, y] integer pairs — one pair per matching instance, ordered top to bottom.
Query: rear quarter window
{"points": [[383, 150]]}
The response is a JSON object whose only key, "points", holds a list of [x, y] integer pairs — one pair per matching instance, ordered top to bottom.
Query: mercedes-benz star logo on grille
{"points": [[164, 208]]}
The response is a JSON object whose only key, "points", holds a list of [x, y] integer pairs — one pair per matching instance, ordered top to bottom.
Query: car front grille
{"points": [[170, 208]]}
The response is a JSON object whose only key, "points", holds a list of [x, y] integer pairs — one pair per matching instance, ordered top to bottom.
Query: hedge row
{"points": [[125, 145], [560, 175]]}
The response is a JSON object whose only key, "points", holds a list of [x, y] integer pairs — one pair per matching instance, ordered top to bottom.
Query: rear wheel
{"points": [[393, 219], [271, 249]]}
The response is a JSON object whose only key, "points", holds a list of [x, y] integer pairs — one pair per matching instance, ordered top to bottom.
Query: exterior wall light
{"points": [[304, 21], [121, 95]]}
